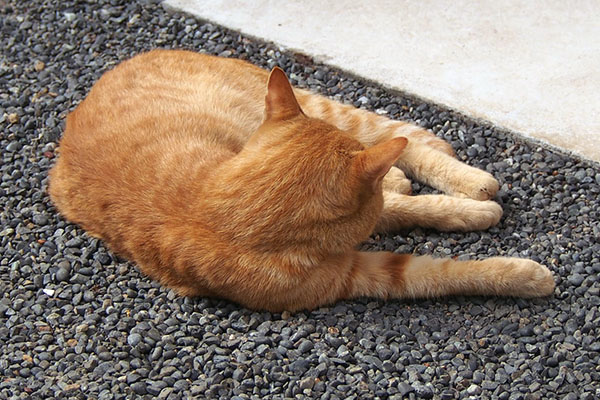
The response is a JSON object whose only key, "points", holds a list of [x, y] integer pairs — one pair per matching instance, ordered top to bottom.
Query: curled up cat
{"points": [[182, 164]]}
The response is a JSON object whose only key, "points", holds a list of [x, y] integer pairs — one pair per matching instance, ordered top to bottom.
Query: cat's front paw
{"points": [[477, 184], [474, 215], [531, 279]]}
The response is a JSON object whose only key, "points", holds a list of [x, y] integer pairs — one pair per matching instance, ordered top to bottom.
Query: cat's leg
{"points": [[368, 127], [422, 136], [427, 158], [446, 173], [396, 181], [440, 212], [387, 275], [390, 275]]}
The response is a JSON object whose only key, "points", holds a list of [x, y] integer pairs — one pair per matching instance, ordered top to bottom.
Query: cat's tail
{"points": [[389, 275]]}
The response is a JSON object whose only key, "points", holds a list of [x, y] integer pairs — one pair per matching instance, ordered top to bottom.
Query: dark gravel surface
{"points": [[76, 322]]}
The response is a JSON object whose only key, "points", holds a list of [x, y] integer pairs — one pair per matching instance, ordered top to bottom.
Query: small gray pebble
{"points": [[63, 274], [134, 339], [305, 346], [139, 388]]}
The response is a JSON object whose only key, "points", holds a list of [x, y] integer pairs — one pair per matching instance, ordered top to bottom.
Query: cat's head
{"points": [[303, 182]]}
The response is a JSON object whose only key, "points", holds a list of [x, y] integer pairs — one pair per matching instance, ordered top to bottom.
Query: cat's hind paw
{"points": [[477, 185], [474, 215]]}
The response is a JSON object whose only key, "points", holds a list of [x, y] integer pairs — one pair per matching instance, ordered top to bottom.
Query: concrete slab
{"points": [[529, 67]]}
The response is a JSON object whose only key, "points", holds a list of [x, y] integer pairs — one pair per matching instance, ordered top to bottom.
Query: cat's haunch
{"points": [[219, 179]]}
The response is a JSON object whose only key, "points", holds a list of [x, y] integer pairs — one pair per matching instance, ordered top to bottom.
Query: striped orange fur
{"points": [[180, 162]]}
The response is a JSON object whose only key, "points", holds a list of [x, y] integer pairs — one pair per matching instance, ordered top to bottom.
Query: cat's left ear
{"points": [[280, 102], [376, 161]]}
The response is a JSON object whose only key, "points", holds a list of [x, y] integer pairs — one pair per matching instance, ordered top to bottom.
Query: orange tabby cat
{"points": [[177, 162]]}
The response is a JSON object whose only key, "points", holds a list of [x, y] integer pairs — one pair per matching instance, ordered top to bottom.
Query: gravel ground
{"points": [[78, 323]]}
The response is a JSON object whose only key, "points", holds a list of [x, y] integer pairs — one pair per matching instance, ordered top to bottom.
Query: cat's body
{"points": [[177, 163]]}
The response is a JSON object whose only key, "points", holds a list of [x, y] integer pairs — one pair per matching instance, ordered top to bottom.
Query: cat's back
{"points": [[167, 89], [149, 129]]}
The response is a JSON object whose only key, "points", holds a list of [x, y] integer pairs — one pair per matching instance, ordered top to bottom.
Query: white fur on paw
{"points": [[478, 185], [475, 215]]}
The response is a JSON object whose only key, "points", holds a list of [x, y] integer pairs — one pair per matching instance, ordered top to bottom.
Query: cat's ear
{"points": [[280, 102], [376, 161]]}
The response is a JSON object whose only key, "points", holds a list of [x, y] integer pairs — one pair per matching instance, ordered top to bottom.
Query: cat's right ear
{"points": [[280, 102], [376, 161]]}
